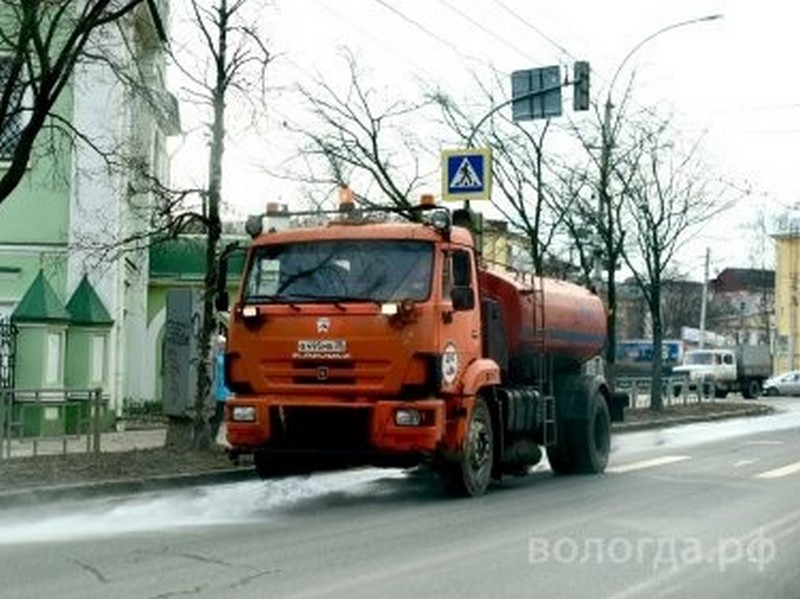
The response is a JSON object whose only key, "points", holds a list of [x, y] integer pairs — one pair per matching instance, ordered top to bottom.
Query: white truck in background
{"points": [[726, 370]]}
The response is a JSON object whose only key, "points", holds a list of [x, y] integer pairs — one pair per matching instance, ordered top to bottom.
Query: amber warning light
{"points": [[346, 201]]}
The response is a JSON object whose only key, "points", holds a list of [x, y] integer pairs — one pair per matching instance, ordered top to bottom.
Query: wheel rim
{"points": [[479, 445]]}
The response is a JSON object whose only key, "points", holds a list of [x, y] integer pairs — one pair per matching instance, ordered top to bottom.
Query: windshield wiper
{"points": [[293, 298]]}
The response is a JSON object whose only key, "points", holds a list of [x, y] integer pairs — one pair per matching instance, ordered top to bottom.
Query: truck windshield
{"points": [[337, 271], [699, 358]]}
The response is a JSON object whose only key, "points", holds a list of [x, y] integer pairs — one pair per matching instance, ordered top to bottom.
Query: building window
{"points": [[11, 119], [52, 374], [97, 374]]}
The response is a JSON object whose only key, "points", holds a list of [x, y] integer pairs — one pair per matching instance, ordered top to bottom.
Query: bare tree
{"points": [[42, 43], [230, 66], [362, 141], [669, 194], [596, 216], [682, 299]]}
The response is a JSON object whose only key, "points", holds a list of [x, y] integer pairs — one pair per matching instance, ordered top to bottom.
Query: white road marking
{"points": [[763, 443], [668, 459], [741, 463], [781, 472]]}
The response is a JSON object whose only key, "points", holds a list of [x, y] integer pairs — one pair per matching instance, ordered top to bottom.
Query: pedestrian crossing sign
{"points": [[467, 174]]}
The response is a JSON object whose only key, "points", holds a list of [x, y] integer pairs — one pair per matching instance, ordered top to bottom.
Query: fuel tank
{"points": [[543, 315]]}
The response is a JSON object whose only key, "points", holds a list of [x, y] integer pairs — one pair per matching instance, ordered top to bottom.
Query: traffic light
{"points": [[580, 86]]}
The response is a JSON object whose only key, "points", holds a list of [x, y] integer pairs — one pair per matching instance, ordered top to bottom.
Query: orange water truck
{"points": [[375, 342]]}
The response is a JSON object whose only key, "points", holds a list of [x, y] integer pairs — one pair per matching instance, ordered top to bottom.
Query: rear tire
{"points": [[752, 389], [593, 438], [584, 444], [559, 455], [470, 476]]}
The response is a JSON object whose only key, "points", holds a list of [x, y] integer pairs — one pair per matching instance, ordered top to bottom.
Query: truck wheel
{"points": [[752, 389], [592, 438], [583, 444], [559, 455], [471, 474]]}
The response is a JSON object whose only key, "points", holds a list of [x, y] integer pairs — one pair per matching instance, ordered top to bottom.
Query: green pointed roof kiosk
{"points": [[42, 322], [87, 356]]}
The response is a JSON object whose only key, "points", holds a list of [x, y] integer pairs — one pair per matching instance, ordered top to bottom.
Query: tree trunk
{"points": [[656, 395], [202, 433], [180, 435]]}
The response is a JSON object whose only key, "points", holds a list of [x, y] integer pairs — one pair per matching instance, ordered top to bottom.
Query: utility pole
{"points": [[704, 300]]}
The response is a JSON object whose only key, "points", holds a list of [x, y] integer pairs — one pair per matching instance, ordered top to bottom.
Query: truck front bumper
{"points": [[377, 427]]}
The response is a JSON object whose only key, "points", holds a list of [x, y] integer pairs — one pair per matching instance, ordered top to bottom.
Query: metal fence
{"points": [[8, 352], [674, 391], [32, 417]]}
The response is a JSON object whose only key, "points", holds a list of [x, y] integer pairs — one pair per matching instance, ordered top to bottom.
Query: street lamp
{"points": [[606, 137], [605, 234]]}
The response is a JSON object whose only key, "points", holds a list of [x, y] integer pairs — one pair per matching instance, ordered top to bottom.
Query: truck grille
{"points": [[323, 373], [367, 374], [317, 428]]}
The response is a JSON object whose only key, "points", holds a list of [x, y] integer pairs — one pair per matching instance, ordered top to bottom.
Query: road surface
{"points": [[707, 510]]}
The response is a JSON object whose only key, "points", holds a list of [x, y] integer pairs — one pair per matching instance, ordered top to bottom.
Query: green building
{"points": [[76, 296]]}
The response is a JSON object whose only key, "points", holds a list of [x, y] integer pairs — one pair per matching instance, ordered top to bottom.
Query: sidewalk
{"points": [[109, 442], [132, 461]]}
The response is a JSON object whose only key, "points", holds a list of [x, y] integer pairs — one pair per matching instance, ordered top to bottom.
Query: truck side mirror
{"points": [[463, 297], [222, 301]]}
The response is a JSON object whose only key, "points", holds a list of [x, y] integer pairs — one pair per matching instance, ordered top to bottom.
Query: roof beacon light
{"points": [[427, 200], [346, 201], [275, 208], [276, 217]]}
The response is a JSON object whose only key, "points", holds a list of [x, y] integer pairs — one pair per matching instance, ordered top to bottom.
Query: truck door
{"points": [[460, 339], [727, 369]]}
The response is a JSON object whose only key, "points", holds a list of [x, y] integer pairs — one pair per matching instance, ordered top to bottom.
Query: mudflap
{"points": [[619, 401]]}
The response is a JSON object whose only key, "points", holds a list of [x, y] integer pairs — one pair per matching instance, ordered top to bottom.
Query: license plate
{"points": [[322, 346]]}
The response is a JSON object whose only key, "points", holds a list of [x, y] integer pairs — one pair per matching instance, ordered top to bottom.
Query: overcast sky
{"points": [[731, 80]]}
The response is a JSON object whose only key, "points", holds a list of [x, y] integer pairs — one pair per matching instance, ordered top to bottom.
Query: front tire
{"points": [[470, 476]]}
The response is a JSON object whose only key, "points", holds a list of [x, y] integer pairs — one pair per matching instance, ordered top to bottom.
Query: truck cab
{"points": [[725, 370]]}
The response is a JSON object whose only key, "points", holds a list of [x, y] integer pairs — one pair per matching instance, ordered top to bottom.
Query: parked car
{"points": [[787, 383]]}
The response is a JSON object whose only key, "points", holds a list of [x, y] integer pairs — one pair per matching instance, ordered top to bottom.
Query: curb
{"points": [[668, 421], [76, 491]]}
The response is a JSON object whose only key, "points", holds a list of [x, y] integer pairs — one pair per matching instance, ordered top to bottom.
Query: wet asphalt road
{"points": [[706, 510]]}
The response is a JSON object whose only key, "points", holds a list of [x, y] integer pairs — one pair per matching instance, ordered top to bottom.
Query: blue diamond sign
{"points": [[467, 174]]}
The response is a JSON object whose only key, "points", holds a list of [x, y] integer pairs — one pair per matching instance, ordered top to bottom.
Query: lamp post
{"points": [[604, 212]]}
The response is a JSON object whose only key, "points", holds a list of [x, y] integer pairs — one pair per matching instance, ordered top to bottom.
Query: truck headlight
{"points": [[243, 414], [407, 417]]}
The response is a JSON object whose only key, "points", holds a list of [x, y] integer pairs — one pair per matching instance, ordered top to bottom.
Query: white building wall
{"points": [[109, 205]]}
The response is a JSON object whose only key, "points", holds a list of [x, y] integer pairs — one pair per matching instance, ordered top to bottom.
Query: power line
{"points": [[420, 26], [532, 27], [487, 31], [437, 37], [379, 40]]}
